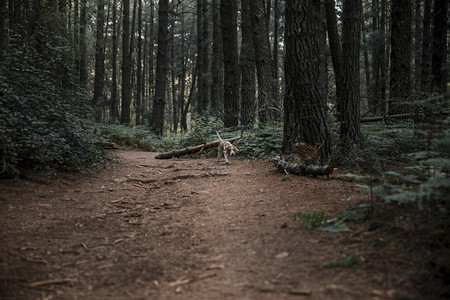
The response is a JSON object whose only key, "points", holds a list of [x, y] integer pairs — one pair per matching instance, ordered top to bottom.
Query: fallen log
{"points": [[192, 150], [301, 168]]}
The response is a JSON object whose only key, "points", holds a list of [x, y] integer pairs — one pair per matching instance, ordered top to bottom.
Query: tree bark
{"points": [[228, 15], [351, 43], [401, 50], [83, 53], [336, 53], [439, 55], [99, 60], [217, 62], [247, 64], [264, 64], [161, 68], [425, 82], [205, 86], [139, 91], [114, 105], [125, 117], [304, 118]]}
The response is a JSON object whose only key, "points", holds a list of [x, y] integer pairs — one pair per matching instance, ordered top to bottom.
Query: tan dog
{"points": [[226, 148]]}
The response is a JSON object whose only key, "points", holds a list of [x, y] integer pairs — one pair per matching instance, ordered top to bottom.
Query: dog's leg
{"points": [[226, 157]]}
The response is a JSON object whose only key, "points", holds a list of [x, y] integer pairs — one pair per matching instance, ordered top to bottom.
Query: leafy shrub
{"points": [[43, 114]]}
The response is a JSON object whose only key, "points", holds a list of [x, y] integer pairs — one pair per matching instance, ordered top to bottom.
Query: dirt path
{"points": [[184, 229]]}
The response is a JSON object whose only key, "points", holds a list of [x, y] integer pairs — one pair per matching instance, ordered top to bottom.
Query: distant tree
{"points": [[228, 11], [3, 28], [351, 44], [83, 45], [276, 46], [401, 51], [336, 53], [439, 54], [205, 56], [99, 60], [200, 61], [217, 62], [247, 64], [264, 65], [161, 68], [425, 74], [139, 75], [114, 104], [125, 117], [304, 117]]}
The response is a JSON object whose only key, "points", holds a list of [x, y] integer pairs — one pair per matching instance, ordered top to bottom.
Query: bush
{"points": [[43, 118]]}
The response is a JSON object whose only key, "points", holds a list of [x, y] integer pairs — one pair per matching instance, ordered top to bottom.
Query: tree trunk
{"points": [[228, 15], [3, 28], [276, 29], [351, 43], [417, 45], [401, 49], [83, 53], [336, 54], [439, 55], [199, 57], [99, 61], [217, 62], [247, 63], [264, 64], [161, 68], [173, 76], [425, 85], [205, 86], [139, 91], [374, 97], [114, 108], [125, 117], [304, 118]]}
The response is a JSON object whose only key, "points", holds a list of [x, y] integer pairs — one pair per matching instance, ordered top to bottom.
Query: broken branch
{"points": [[192, 150], [301, 168]]}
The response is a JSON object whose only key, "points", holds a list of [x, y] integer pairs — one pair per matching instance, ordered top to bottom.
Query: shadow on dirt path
{"points": [[183, 229]]}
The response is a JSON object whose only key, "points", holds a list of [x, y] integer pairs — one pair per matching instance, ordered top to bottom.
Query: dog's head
{"points": [[230, 148]]}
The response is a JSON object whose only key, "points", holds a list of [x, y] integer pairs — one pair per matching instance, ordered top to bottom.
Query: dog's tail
{"points": [[218, 135]]}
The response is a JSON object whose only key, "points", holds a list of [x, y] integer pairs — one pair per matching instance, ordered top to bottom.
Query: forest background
{"points": [[78, 75], [363, 83]]}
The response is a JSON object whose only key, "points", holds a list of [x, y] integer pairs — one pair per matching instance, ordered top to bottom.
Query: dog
{"points": [[226, 148]]}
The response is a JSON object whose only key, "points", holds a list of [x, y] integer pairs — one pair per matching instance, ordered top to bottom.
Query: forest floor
{"points": [[193, 228]]}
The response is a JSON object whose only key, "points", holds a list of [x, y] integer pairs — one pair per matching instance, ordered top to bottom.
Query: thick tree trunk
{"points": [[351, 43], [401, 43], [230, 60], [247, 63], [264, 64], [161, 68], [304, 118]]}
